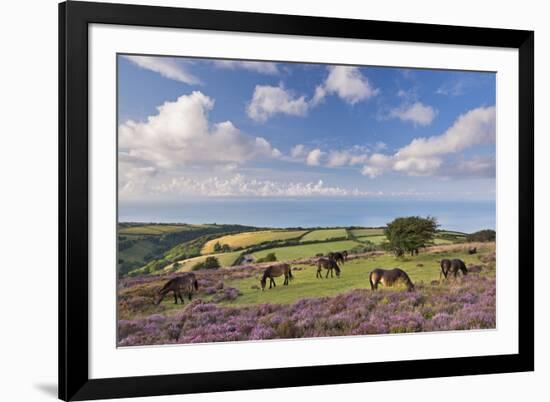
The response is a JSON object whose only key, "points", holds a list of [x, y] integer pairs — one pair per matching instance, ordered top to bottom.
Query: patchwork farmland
{"points": [[229, 294]]}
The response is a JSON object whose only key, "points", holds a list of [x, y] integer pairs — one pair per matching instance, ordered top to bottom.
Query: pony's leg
{"points": [[328, 270], [175, 297], [181, 298]]}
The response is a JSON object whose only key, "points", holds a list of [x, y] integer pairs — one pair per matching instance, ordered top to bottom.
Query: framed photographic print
{"points": [[257, 200]]}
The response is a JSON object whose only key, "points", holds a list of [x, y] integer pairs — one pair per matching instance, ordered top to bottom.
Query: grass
{"points": [[153, 229], [367, 232], [325, 234], [248, 239], [376, 239], [438, 241], [307, 250], [225, 259], [354, 276]]}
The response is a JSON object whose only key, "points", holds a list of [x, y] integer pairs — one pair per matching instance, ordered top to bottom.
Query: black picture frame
{"points": [[74, 19]]}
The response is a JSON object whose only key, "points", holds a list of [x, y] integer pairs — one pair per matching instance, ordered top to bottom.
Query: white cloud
{"points": [[165, 66], [263, 67], [346, 82], [269, 100], [416, 113], [472, 128], [180, 135], [298, 151], [424, 156], [314, 157], [347, 157], [338, 158], [418, 166], [479, 166], [371, 171], [239, 186]]}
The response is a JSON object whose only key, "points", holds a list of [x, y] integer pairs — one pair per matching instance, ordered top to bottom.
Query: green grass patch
{"points": [[155, 229], [367, 232], [325, 234], [376, 239], [307, 250], [355, 275]]}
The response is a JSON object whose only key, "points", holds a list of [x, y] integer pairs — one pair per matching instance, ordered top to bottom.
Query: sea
{"points": [[463, 216]]}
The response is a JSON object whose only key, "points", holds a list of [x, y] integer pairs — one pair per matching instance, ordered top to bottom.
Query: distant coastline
{"points": [[464, 216]]}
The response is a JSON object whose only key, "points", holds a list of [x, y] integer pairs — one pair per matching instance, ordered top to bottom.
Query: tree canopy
{"points": [[408, 234]]}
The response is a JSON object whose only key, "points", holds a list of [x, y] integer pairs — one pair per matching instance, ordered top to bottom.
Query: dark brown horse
{"points": [[472, 250], [337, 256], [329, 264], [452, 267], [276, 270], [388, 277], [186, 283]]}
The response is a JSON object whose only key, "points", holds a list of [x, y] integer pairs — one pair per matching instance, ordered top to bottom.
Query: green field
{"points": [[155, 229], [367, 232], [325, 234], [248, 239], [376, 239], [439, 241], [307, 250], [225, 259], [354, 275]]}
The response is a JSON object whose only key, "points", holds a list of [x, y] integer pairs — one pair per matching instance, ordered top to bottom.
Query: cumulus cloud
{"points": [[165, 66], [263, 67], [346, 82], [269, 100], [417, 113], [472, 128], [180, 135], [298, 151], [427, 156], [314, 157], [347, 157], [371, 171], [239, 186]]}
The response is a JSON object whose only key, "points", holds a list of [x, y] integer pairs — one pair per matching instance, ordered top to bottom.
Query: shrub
{"points": [[482, 236], [268, 258], [210, 263]]}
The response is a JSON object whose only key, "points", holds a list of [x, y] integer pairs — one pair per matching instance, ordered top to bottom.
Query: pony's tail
{"points": [[290, 276], [371, 282], [196, 284]]}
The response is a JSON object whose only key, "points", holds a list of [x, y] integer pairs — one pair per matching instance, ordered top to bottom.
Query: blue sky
{"points": [[198, 128]]}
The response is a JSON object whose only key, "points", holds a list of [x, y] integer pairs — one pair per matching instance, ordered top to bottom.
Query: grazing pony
{"points": [[472, 250], [337, 256], [329, 264], [449, 267], [276, 270], [388, 277], [186, 282]]}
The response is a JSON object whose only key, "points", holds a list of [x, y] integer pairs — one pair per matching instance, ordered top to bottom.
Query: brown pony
{"points": [[472, 250], [337, 257], [329, 264], [449, 267], [276, 270], [388, 277], [186, 282]]}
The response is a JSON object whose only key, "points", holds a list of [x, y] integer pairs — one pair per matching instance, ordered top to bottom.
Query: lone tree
{"points": [[410, 233]]}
